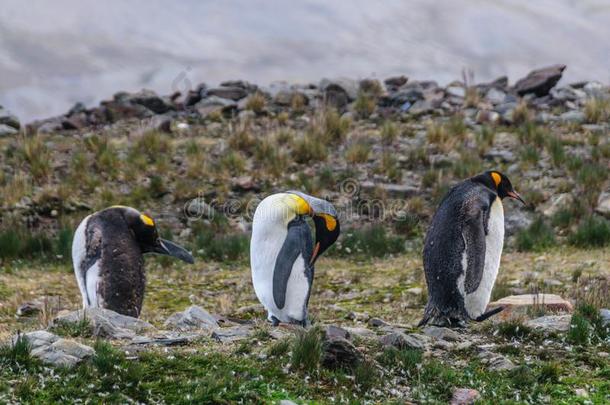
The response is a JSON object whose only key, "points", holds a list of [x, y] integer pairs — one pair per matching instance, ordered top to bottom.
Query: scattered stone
{"points": [[539, 81], [393, 83], [456, 91], [227, 92], [495, 96], [150, 100], [573, 116], [487, 117], [8, 119], [6, 130], [393, 190], [557, 203], [603, 204], [47, 303], [517, 305], [605, 314], [357, 316], [192, 318], [376, 322], [106, 323], [550, 323], [332, 331], [362, 332], [442, 333], [232, 334], [401, 340], [56, 351], [340, 353], [496, 362], [464, 396], [287, 402]]}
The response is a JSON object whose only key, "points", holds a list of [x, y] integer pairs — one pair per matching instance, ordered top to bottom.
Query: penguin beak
{"points": [[513, 194], [165, 247]]}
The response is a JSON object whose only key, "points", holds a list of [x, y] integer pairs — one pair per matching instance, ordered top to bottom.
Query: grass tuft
{"points": [[592, 232], [537, 237], [307, 350]]}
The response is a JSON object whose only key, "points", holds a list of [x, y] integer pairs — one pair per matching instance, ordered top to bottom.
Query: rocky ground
{"points": [[384, 154]]}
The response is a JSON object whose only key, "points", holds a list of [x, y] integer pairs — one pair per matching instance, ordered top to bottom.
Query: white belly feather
{"points": [[268, 234], [79, 252], [476, 302]]}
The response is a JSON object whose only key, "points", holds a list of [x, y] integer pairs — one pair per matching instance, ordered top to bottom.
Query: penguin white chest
{"points": [[476, 302]]}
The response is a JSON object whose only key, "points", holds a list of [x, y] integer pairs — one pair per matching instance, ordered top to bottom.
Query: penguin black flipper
{"points": [[473, 232], [298, 242]]}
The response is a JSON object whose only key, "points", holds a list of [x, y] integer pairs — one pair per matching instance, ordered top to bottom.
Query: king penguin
{"points": [[462, 250], [283, 254], [107, 257]]}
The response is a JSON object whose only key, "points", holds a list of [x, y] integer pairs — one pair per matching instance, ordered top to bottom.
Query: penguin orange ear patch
{"points": [[496, 178], [147, 220]]}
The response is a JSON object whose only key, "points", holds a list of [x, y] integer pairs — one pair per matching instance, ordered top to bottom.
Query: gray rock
{"points": [[539, 81], [395, 82], [348, 86], [595, 89], [456, 91], [227, 92], [568, 94], [495, 96], [150, 100], [213, 104], [486, 116], [574, 116], [8, 119], [6, 130], [501, 154], [393, 190], [557, 203], [603, 204], [516, 220], [48, 302], [605, 314], [192, 318], [376, 322], [106, 323], [550, 323], [332, 331], [362, 332], [232, 334], [447, 334], [401, 340], [56, 351], [340, 353], [496, 362], [287, 402]]}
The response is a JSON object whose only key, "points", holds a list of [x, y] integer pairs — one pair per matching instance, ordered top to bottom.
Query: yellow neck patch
{"points": [[496, 178], [298, 205], [147, 220], [331, 222]]}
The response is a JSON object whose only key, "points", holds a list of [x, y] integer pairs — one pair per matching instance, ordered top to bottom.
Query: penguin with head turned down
{"points": [[462, 250], [283, 252], [107, 257]]}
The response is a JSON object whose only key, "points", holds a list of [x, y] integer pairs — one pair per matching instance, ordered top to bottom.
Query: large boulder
{"points": [[539, 81], [150, 100], [8, 119], [6, 130], [603, 204], [520, 305], [192, 318], [105, 323], [550, 323], [402, 340], [54, 350]]}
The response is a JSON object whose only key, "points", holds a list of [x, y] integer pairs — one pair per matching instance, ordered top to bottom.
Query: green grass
{"points": [[592, 232], [537, 237], [370, 241], [17, 242], [307, 350]]}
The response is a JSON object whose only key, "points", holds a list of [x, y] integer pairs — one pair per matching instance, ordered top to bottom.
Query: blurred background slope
{"points": [[53, 54]]}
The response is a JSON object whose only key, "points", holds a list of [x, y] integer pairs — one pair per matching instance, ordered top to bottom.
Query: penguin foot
{"points": [[274, 321]]}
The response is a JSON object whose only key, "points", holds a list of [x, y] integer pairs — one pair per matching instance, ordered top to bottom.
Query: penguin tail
{"points": [[489, 314]]}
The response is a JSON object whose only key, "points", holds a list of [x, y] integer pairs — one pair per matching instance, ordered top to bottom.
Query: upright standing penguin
{"points": [[462, 250], [283, 254], [107, 257]]}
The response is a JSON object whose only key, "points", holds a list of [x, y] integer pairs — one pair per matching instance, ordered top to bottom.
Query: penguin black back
{"points": [[461, 251]]}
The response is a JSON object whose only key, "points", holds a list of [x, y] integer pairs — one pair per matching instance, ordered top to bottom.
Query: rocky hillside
{"points": [[383, 153]]}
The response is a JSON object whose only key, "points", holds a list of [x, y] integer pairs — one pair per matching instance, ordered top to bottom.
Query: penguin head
{"points": [[499, 183], [325, 218], [145, 232]]}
